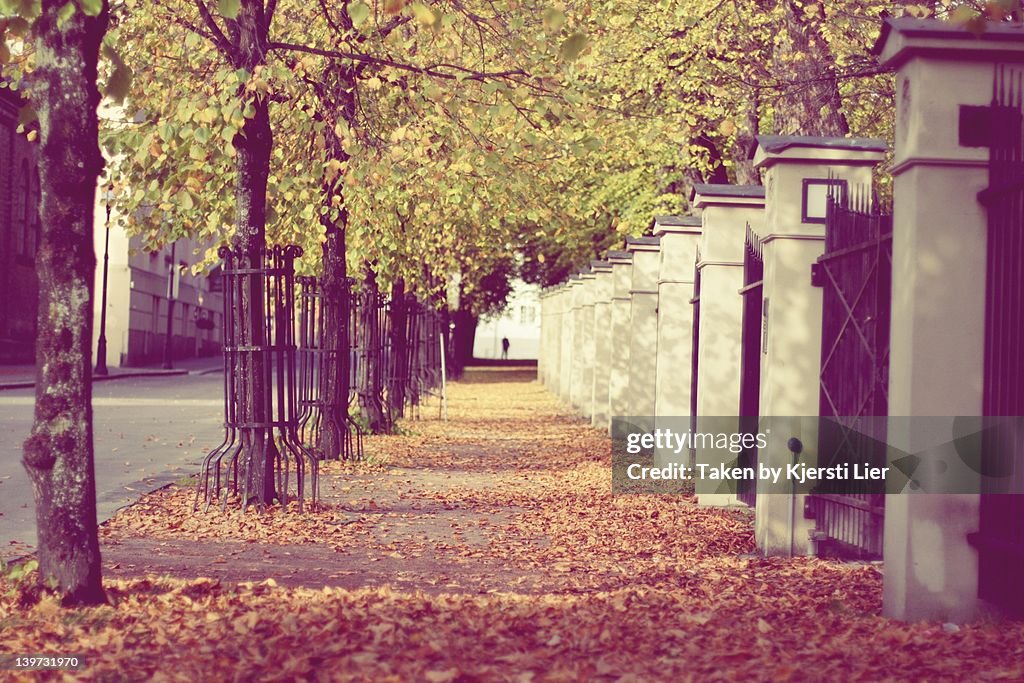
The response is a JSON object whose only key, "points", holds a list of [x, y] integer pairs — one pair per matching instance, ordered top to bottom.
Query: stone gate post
{"points": [[798, 171], [725, 212], [680, 236], [938, 293], [643, 328], [618, 370], [599, 414]]}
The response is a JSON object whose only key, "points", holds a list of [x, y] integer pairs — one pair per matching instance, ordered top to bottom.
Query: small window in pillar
{"points": [[816, 194]]}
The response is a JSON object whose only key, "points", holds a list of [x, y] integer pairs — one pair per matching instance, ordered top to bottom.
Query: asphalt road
{"points": [[148, 432]]}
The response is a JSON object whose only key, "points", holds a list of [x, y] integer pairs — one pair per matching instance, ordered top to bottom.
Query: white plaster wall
{"points": [[938, 262], [519, 321], [643, 339], [618, 379], [600, 415]]}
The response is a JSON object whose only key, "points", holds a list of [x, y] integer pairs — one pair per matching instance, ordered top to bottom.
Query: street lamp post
{"points": [[171, 294], [101, 345]]}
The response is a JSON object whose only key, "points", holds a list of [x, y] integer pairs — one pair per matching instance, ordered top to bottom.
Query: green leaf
{"points": [[92, 8], [229, 8], [26, 9], [65, 12], [359, 13], [423, 14], [554, 18], [572, 47], [120, 82]]}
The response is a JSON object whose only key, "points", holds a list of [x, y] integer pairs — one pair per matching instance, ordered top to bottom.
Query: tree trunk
{"points": [[811, 104], [253, 146], [463, 338], [398, 362], [336, 369], [371, 374], [335, 376], [59, 453]]}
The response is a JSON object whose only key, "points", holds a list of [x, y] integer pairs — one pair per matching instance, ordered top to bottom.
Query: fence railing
{"points": [[310, 366], [261, 446]]}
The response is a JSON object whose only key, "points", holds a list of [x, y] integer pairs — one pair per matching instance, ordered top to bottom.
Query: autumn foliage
{"points": [[485, 548]]}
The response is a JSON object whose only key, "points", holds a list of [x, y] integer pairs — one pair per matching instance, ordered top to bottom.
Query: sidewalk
{"points": [[24, 376], [489, 547]]}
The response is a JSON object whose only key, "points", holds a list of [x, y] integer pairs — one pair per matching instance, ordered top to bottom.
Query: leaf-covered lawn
{"points": [[487, 548]]}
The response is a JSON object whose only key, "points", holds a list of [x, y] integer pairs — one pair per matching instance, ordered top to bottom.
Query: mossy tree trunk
{"points": [[59, 453]]}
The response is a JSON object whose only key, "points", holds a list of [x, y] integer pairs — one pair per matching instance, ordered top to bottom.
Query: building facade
{"points": [[19, 235], [142, 288], [519, 322]]}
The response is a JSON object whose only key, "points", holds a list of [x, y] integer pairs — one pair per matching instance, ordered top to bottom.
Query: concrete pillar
{"points": [[725, 212], [680, 237], [792, 239], [579, 296], [643, 329], [568, 339], [550, 342], [542, 345], [587, 345], [936, 362], [618, 369], [558, 374], [599, 415]]}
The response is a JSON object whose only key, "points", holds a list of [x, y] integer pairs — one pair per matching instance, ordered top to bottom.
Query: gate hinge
{"points": [[817, 275]]}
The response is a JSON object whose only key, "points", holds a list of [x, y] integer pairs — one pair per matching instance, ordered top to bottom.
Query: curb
{"points": [[104, 378]]}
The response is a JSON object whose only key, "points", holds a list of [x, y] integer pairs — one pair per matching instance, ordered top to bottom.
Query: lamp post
{"points": [[171, 295], [101, 345]]}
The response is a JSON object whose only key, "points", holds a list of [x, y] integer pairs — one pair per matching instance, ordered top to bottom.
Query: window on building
{"points": [[215, 281], [527, 314]]}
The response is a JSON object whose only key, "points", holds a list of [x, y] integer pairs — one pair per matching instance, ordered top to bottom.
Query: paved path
{"points": [[149, 431], [487, 548]]}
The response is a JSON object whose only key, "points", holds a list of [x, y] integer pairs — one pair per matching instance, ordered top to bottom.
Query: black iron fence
{"points": [[855, 273], [695, 351], [750, 359], [310, 366], [326, 424], [261, 446], [1000, 538]]}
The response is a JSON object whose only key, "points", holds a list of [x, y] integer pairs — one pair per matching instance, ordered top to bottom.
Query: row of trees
{"points": [[411, 144]]}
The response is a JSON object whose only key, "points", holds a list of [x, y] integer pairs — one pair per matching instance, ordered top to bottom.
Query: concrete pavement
{"points": [[149, 431]]}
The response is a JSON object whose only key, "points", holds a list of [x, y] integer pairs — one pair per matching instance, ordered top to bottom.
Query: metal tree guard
{"points": [[371, 350], [325, 370], [260, 389]]}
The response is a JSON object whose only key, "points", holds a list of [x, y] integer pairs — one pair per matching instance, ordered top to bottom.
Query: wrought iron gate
{"points": [[855, 273], [695, 348], [750, 359], [1000, 539]]}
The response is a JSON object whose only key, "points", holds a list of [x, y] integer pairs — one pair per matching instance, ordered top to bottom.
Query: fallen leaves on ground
{"points": [[490, 547]]}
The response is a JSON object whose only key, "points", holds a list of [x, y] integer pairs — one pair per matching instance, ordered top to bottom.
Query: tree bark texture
{"points": [[339, 102], [810, 103], [253, 146], [398, 361], [59, 453]]}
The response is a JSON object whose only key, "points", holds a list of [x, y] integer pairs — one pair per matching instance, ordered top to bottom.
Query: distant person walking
{"points": [[504, 348]]}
